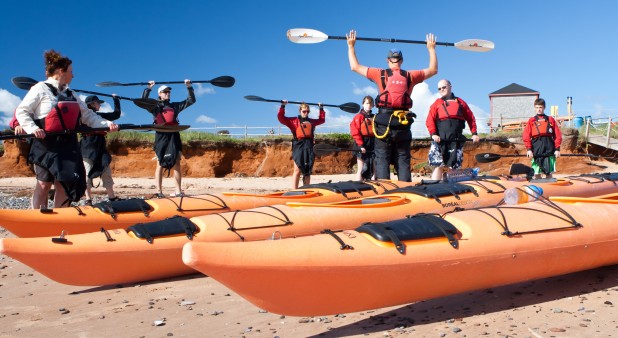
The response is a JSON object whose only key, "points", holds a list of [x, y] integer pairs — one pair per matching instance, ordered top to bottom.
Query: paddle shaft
{"points": [[392, 40], [102, 94], [298, 102]]}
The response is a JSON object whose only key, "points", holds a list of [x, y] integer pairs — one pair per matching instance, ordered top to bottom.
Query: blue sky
{"points": [[559, 48]]}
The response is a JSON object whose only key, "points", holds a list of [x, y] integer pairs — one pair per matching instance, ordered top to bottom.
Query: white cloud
{"points": [[201, 90], [363, 91], [8, 103], [205, 119]]}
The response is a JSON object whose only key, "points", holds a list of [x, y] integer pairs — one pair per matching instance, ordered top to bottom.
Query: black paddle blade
{"points": [[223, 81], [23, 82], [109, 84], [254, 98], [148, 104], [350, 107], [324, 149], [486, 157], [521, 169]]}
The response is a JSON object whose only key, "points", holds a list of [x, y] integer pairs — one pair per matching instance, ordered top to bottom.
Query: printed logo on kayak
{"points": [[459, 204]]}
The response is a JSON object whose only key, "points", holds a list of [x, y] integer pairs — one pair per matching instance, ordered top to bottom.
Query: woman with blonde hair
{"points": [[303, 133]]}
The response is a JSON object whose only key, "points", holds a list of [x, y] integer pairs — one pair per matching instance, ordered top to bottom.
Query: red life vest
{"points": [[395, 92], [450, 110], [64, 115], [166, 116], [14, 123], [541, 126], [366, 128], [304, 130]]}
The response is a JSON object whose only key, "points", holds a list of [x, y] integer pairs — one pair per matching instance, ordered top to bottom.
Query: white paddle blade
{"points": [[306, 35], [474, 45]]}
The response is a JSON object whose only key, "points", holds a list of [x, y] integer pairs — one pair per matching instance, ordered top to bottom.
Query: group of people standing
{"points": [[50, 108], [52, 112], [385, 138]]}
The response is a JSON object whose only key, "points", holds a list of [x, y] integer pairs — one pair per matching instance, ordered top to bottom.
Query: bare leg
{"points": [[359, 164], [437, 173], [295, 176], [159, 177], [177, 177], [307, 180], [110, 192], [39, 197], [60, 198]]}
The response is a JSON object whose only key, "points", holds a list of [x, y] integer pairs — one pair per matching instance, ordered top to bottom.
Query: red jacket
{"points": [[438, 106], [294, 122], [360, 122], [554, 133]]}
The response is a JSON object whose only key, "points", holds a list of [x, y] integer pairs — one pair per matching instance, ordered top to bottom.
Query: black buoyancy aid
{"points": [[395, 93], [451, 110], [64, 115], [166, 116], [541, 126], [366, 128], [304, 129]]}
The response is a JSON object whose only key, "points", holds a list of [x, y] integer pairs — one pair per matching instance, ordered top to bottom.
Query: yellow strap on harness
{"points": [[403, 120]]}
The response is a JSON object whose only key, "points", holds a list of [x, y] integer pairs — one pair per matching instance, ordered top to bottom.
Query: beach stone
{"points": [[187, 302], [557, 329]]}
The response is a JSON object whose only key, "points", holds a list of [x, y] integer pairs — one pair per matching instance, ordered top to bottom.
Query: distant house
{"points": [[511, 105]]}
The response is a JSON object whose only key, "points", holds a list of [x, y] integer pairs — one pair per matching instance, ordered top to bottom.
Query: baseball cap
{"points": [[395, 54], [164, 89], [93, 98]]}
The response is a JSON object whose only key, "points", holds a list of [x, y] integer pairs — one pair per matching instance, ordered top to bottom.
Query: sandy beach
{"points": [[575, 305]]}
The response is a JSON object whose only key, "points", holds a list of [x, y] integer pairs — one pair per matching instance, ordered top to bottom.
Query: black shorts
{"points": [[43, 174]]}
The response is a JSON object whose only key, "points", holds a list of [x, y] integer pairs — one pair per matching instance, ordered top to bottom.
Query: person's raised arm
{"points": [[354, 65], [432, 69], [147, 90]]}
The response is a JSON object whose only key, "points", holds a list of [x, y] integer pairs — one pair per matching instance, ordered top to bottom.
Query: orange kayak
{"points": [[120, 214], [118, 255], [417, 258]]}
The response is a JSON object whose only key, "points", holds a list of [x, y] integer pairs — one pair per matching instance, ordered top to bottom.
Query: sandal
{"points": [[181, 194], [159, 195]]}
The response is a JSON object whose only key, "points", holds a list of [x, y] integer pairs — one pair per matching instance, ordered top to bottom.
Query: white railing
{"points": [[418, 130]]}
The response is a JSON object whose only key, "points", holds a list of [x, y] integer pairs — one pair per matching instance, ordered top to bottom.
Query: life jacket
{"points": [[395, 92], [451, 110], [64, 115], [166, 116], [14, 123], [541, 126], [366, 127], [303, 130]]}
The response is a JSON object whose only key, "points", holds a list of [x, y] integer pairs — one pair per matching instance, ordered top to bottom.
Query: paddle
{"points": [[305, 35], [221, 81], [26, 83], [146, 103], [349, 107], [159, 128], [325, 149], [490, 157]]}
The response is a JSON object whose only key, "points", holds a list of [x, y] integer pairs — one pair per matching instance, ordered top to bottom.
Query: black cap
{"points": [[93, 98]]}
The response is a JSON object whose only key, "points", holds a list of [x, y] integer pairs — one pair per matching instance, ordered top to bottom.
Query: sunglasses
{"points": [[442, 88], [304, 111]]}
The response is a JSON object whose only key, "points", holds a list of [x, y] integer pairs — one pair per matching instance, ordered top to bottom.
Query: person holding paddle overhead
{"points": [[48, 107], [446, 121], [393, 122], [361, 129], [303, 133], [542, 138], [167, 146], [94, 150]]}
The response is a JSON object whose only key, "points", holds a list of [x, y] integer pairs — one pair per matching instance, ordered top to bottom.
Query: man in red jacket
{"points": [[446, 121], [542, 138]]}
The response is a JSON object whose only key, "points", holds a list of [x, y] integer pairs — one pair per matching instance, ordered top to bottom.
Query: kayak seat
{"points": [[342, 187], [436, 190], [120, 206], [172, 226], [421, 226]]}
